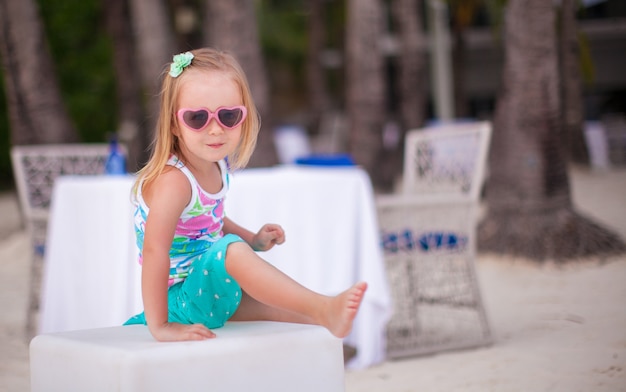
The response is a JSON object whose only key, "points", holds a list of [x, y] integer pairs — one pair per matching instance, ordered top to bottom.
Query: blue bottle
{"points": [[116, 161]]}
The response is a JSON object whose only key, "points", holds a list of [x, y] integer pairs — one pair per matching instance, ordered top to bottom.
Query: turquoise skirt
{"points": [[209, 295]]}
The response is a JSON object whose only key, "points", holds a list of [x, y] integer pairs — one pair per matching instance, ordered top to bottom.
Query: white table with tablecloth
{"points": [[332, 238], [90, 276], [92, 279]]}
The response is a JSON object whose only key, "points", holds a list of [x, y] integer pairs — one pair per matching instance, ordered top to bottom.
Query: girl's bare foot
{"points": [[343, 309]]}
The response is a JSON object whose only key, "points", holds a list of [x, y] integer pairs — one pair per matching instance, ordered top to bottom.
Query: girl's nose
{"points": [[214, 127]]}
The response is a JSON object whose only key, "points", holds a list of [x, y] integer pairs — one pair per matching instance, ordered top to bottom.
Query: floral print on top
{"points": [[199, 226]]}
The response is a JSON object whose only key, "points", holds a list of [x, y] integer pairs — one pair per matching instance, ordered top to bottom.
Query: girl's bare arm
{"points": [[166, 197], [268, 236]]}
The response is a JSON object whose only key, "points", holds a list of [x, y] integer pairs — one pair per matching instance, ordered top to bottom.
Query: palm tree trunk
{"points": [[232, 26], [155, 48], [411, 60], [410, 83], [365, 85], [128, 87], [318, 95], [37, 113], [530, 212]]}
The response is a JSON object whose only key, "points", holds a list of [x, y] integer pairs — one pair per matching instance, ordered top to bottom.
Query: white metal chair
{"points": [[446, 161], [35, 167], [428, 238]]}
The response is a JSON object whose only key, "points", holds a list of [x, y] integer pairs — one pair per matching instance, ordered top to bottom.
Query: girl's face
{"points": [[211, 90]]}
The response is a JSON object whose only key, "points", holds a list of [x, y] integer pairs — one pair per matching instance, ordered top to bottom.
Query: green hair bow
{"points": [[181, 61]]}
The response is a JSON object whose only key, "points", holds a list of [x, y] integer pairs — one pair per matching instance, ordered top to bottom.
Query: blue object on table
{"points": [[326, 160], [116, 161]]}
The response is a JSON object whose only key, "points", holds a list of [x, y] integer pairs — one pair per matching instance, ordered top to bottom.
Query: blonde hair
{"points": [[165, 143]]}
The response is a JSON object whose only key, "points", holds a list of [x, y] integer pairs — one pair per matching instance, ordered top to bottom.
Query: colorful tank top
{"points": [[199, 225]]}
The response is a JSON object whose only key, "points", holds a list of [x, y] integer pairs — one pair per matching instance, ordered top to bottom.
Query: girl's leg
{"points": [[268, 285], [252, 310]]}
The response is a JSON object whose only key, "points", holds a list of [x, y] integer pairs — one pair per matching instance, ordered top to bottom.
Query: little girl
{"points": [[199, 268]]}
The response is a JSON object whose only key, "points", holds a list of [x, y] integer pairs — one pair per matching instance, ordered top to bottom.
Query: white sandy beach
{"points": [[555, 328]]}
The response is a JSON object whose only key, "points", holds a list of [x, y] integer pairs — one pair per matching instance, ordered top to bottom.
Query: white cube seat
{"points": [[245, 356]]}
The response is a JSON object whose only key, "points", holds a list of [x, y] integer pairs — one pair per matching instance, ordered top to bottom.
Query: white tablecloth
{"points": [[331, 228], [92, 278]]}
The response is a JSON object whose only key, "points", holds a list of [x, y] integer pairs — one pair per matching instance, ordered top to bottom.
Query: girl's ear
{"points": [[174, 128]]}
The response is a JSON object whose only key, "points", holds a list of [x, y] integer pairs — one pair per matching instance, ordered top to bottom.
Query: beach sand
{"points": [[555, 328]]}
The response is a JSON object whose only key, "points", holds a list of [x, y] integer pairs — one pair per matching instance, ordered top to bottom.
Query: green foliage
{"points": [[495, 10], [283, 26], [283, 29], [82, 52], [587, 67]]}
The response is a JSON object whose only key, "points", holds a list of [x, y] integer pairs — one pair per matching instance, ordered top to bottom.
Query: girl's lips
{"points": [[215, 145]]}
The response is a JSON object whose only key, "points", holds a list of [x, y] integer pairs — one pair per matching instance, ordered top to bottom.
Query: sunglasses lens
{"points": [[230, 117], [196, 119]]}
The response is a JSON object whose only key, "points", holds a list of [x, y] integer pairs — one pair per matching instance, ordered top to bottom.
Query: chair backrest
{"points": [[447, 160], [35, 167]]}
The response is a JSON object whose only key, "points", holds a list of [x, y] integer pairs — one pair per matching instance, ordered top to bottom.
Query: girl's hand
{"points": [[269, 235], [171, 332]]}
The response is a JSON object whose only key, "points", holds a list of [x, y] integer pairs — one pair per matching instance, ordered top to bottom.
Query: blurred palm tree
{"points": [[406, 16], [232, 26], [153, 35], [572, 52], [411, 84], [365, 86], [319, 100], [37, 113], [131, 125], [530, 211]]}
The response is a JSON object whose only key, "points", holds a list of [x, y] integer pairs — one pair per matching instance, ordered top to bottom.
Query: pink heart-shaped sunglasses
{"points": [[227, 117]]}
